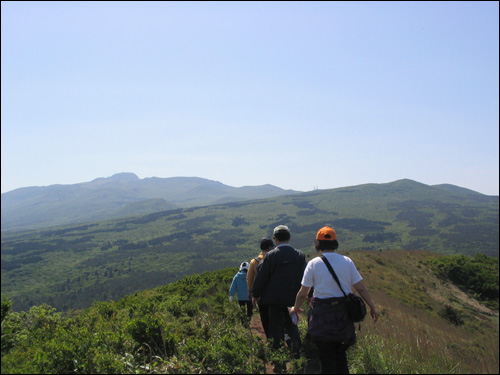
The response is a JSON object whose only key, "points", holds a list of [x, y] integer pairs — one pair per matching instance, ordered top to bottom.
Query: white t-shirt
{"points": [[317, 275]]}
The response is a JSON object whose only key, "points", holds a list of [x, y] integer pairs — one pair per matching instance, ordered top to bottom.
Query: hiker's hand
{"points": [[230, 298], [255, 301], [294, 311]]}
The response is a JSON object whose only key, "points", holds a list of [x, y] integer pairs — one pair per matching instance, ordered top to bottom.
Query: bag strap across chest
{"points": [[328, 265]]}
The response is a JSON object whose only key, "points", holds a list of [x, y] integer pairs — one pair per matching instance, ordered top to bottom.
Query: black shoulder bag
{"points": [[356, 308]]}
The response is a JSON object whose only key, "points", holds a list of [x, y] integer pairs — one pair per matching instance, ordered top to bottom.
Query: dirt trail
{"points": [[256, 327], [257, 330]]}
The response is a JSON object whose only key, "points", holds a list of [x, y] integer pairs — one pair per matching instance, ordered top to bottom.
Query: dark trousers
{"points": [[249, 306], [264, 318], [279, 323], [333, 357]]}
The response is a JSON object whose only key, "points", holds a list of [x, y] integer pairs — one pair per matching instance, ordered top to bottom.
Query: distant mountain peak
{"points": [[124, 176]]}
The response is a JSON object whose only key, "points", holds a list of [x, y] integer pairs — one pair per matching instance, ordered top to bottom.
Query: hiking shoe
{"points": [[279, 368]]}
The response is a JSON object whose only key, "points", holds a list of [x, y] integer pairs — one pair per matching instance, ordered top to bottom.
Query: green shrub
{"points": [[478, 274], [6, 306], [451, 315], [147, 331]]}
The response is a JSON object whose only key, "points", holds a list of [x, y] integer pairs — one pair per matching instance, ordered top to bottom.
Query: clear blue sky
{"points": [[294, 94]]}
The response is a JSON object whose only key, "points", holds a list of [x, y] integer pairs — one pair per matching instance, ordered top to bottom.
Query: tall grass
{"points": [[409, 343]]}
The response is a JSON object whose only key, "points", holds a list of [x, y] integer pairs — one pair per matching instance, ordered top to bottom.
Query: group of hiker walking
{"points": [[279, 280]]}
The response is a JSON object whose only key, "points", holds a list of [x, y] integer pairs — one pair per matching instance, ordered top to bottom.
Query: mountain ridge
{"points": [[120, 195], [108, 197]]}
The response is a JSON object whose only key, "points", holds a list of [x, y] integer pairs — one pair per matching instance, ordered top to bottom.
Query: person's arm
{"points": [[261, 279], [232, 289], [365, 294], [302, 295]]}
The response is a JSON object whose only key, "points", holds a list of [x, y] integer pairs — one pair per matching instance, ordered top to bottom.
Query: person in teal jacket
{"points": [[239, 287]]}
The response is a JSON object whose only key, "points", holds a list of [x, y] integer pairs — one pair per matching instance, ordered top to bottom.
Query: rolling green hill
{"points": [[122, 194], [71, 266], [427, 325]]}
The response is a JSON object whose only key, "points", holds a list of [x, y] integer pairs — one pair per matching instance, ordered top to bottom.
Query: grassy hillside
{"points": [[71, 266], [189, 326]]}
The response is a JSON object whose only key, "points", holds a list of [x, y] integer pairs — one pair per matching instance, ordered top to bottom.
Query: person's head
{"points": [[281, 233], [326, 240], [266, 244], [244, 266]]}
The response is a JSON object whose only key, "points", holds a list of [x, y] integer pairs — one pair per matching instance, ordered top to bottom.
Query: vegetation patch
{"points": [[360, 225], [477, 275]]}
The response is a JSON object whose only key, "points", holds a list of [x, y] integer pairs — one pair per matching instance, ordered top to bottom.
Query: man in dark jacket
{"points": [[277, 284]]}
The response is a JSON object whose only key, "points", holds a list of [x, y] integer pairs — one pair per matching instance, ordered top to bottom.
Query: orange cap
{"points": [[326, 234]]}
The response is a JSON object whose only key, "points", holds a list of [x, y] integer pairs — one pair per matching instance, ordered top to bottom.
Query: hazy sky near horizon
{"points": [[294, 94]]}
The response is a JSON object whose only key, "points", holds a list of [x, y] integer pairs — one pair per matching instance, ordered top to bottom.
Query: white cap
{"points": [[281, 228], [244, 266]]}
